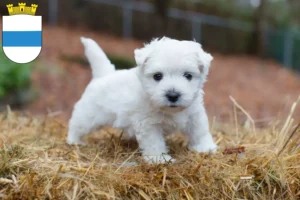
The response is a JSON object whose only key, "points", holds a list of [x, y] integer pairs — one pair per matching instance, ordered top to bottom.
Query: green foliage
{"points": [[228, 9], [280, 13], [121, 62], [13, 77]]}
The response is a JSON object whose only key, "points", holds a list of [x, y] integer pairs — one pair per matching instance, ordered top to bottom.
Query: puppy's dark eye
{"points": [[158, 76], [188, 76]]}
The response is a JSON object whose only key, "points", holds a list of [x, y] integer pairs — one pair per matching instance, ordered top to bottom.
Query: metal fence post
{"points": [[53, 10], [127, 20], [196, 29], [288, 48]]}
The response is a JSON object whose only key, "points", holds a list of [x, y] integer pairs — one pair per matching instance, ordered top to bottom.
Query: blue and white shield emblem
{"points": [[22, 37]]}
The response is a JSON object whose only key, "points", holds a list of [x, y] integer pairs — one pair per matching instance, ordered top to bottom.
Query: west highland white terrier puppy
{"points": [[163, 94]]}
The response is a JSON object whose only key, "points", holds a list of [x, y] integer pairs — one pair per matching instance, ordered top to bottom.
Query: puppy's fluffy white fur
{"points": [[134, 101]]}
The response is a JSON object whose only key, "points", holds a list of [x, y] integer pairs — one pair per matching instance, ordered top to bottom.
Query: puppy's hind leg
{"points": [[84, 120]]}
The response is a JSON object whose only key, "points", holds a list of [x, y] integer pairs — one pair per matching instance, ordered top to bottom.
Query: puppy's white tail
{"points": [[100, 64]]}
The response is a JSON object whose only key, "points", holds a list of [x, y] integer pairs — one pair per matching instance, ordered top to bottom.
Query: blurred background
{"points": [[255, 44]]}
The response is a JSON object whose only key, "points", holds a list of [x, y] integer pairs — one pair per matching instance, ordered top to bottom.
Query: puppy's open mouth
{"points": [[173, 106]]}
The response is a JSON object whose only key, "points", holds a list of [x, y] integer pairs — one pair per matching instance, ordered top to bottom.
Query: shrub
{"points": [[14, 77]]}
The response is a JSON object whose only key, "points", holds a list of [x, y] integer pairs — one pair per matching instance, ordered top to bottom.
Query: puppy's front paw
{"points": [[72, 141], [204, 147], [161, 159]]}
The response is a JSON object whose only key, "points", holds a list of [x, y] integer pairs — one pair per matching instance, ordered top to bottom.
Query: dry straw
{"points": [[36, 163]]}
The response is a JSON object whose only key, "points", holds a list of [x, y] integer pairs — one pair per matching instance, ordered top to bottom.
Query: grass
{"points": [[36, 163]]}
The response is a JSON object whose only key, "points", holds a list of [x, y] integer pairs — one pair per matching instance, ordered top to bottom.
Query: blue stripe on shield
{"points": [[22, 38]]}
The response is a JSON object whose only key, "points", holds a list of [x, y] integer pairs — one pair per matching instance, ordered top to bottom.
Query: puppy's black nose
{"points": [[173, 96]]}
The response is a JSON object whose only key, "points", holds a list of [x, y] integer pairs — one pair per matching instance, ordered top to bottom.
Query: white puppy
{"points": [[163, 94]]}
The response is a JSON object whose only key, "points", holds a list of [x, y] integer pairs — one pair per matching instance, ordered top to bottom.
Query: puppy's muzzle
{"points": [[173, 96]]}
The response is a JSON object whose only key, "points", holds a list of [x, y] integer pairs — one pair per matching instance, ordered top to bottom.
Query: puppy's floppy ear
{"points": [[141, 55], [204, 61]]}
